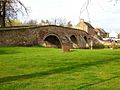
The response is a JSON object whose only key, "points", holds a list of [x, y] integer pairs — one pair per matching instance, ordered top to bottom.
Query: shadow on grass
{"points": [[73, 50], [3, 52], [56, 71], [99, 82]]}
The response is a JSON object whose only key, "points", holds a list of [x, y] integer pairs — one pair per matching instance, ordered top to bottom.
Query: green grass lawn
{"points": [[36, 68]]}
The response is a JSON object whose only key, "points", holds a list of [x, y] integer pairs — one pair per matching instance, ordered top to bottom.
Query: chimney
{"points": [[81, 20]]}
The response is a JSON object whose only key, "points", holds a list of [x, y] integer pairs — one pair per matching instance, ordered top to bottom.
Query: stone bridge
{"points": [[48, 36]]}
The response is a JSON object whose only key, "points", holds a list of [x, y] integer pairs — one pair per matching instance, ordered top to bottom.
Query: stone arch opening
{"points": [[85, 38], [52, 41], [74, 41], [87, 45]]}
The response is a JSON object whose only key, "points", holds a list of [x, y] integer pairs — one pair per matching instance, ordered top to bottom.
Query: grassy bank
{"points": [[35, 68]]}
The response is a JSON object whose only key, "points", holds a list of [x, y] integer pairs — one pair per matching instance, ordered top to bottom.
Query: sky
{"points": [[102, 13]]}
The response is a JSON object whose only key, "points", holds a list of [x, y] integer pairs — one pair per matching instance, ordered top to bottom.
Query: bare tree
{"points": [[115, 1], [85, 8], [9, 10], [54, 21], [59, 21], [31, 22], [45, 22], [69, 24]]}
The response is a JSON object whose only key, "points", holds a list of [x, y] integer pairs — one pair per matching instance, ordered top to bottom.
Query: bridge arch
{"points": [[52, 40], [74, 41]]}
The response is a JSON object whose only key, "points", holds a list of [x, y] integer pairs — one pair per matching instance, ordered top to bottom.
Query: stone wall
{"points": [[17, 37]]}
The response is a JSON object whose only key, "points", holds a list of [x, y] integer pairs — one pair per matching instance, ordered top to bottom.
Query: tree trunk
{"points": [[2, 15], [2, 22]]}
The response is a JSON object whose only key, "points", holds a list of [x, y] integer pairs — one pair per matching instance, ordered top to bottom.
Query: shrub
{"points": [[98, 46], [107, 46], [115, 46]]}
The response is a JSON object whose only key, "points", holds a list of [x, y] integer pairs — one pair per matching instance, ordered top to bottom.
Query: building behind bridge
{"points": [[85, 26]]}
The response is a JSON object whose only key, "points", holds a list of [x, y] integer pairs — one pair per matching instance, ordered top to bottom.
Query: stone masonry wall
{"points": [[34, 35], [17, 37]]}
